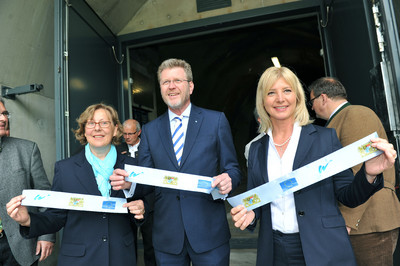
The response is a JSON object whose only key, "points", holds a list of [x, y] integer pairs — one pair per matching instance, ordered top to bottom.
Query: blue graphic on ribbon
{"points": [[323, 167], [133, 174], [204, 184], [288, 184], [39, 197], [108, 205]]}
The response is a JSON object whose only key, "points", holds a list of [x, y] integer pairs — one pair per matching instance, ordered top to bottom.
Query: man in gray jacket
{"points": [[20, 168]]}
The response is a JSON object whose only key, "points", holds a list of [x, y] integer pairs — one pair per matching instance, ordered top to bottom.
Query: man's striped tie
{"points": [[177, 139]]}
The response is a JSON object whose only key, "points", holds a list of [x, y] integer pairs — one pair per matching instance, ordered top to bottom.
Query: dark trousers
{"points": [[146, 231], [375, 248], [288, 250], [6, 256], [215, 257]]}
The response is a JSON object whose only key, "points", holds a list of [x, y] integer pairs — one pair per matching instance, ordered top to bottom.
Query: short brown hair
{"points": [[88, 114]]}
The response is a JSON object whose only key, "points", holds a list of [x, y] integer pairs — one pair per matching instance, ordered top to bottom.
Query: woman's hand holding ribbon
{"points": [[241, 217]]}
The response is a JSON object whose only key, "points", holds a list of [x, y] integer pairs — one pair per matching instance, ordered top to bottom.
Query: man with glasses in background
{"points": [[132, 130], [131, 133], [20, 168], [373, 226]]}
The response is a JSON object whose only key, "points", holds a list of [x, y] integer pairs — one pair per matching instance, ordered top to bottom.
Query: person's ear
{"points": [[324, 98]]}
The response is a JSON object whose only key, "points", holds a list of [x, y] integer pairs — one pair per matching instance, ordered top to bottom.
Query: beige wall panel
{"points": [[159, 13]]}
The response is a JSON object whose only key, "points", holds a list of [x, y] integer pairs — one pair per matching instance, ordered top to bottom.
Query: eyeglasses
{"points": [[166, 83], [310, 102], [5, 114], [102, 124], [130, 134]]}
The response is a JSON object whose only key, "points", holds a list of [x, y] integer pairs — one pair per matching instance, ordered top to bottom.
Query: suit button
{"points": [[178, 198], [301, 213], [104, 239]]}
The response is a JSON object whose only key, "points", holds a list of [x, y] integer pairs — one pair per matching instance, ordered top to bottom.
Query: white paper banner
{"points": [[338, 161], [170, 179], [72, 201]]}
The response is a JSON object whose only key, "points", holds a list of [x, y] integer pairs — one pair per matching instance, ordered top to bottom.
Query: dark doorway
{"points": [[227, 66], [86, 69], [92, 71]]}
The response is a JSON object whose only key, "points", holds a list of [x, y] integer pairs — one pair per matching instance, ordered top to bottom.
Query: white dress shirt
{"points": [[185, 120], [133, 149], [283, 210]]}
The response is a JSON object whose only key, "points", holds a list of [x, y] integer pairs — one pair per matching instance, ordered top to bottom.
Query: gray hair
{"points": [[172, 63], [330, 86], [126, 122]]}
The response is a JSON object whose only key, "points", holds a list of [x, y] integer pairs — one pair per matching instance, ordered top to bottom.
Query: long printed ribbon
{"points": [[338, 161], [170, 179], [72, 201]]}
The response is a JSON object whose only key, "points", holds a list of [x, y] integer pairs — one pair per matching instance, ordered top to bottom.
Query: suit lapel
{"points": [[195, 121], [164, 130], [305, 143], [263, 158], [119, 164], [84, 174]]}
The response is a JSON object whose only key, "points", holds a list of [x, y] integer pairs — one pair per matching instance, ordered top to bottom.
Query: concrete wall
{"points": [[159, 13], [26, 57]]}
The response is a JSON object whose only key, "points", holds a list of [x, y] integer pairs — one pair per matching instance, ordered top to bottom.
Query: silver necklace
{"points": [[280, 145]]}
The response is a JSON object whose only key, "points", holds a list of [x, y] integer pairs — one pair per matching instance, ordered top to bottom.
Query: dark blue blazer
{"points": [[208, 151], [322, 228], [89, 238]]}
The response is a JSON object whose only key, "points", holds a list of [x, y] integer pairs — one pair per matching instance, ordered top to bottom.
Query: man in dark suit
{"points": [[131, 133], [20, 168], [188, 226]]}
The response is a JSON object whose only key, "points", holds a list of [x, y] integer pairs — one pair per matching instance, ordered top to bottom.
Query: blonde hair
{"points": [[172, 63], [267, 80], [88, 114]]}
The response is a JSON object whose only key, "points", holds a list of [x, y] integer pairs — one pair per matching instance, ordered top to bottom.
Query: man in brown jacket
{"points": [[373, 226]]}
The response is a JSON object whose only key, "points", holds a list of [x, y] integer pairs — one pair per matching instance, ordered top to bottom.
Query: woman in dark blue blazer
{"points": [[305, 227], [89, 238]]}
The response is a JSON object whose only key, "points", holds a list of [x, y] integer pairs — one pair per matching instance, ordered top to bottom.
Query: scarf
{"points": [[102, 169]]}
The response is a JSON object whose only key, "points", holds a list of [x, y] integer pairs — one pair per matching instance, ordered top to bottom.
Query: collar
{"points": [[337, 110], [185, 113], [296, 130], [135, 145]]}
